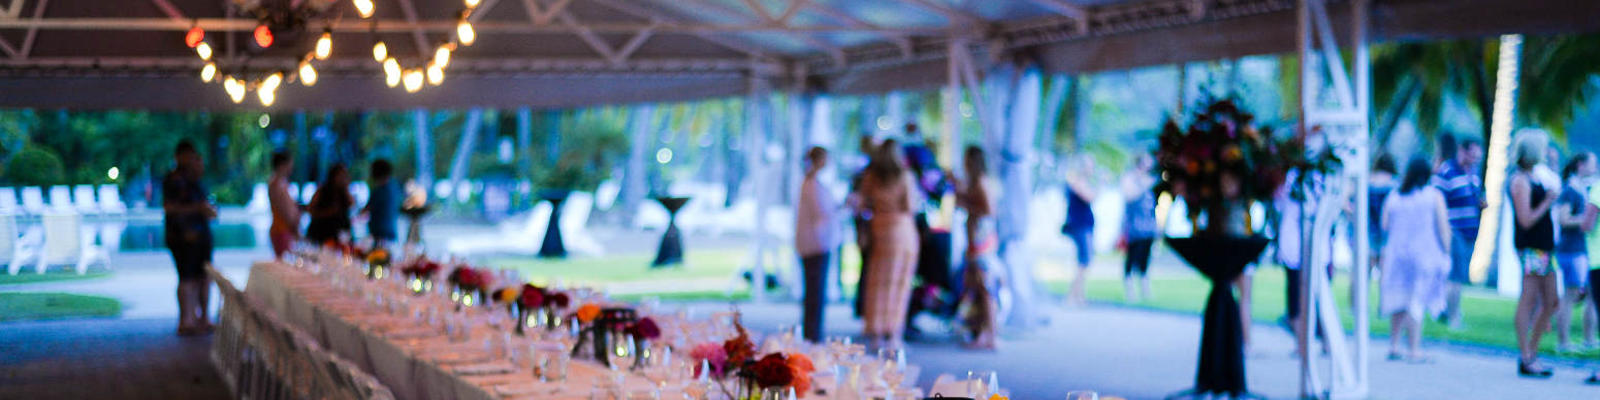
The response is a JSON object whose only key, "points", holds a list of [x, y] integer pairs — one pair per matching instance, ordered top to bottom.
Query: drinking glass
{"points": [[981, 383], [644, 394], [1083, 395]]}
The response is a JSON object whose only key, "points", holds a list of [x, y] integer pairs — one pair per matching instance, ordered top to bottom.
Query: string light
{"points": [[473, 3], [364, 7], [464, 32], [263, 36], [194, 37], [325, 45], [204, 50], [380, 51], [441, 57], [208, 72], [391, 72], [435, 74], [308, 75], [413, 80], [272, 81], [234, 88], [267, 97]]}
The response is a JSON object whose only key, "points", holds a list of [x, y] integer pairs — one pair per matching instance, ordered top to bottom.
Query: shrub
{"points": [[35, 166]]}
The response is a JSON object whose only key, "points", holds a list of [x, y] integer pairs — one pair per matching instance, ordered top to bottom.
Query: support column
{"points": [[419, 122], [640, 123], [756, 129], [1016, 161], [458, 163]]}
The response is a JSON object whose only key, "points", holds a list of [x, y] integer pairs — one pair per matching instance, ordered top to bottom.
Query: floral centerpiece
{"points": [[1221, 161], [414, 207], [377, 263], [419, 274], [469, 285], [642, 332], [765, 377]]}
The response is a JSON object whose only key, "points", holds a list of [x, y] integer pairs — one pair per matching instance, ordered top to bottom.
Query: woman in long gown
{"points": [[886, 191], [1415, 263], [981, 275]]}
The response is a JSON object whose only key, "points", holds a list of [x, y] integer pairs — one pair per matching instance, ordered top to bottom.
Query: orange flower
{"points": [[588, 312], [802, 363], [801, 384]]}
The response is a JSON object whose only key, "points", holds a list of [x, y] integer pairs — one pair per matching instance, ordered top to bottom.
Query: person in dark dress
{"points": [[1533, 193], [330, 207], [383, 208], [861, 220], [1080, 224], [188, 236]]}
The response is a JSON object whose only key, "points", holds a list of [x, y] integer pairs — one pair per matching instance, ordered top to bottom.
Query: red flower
{"points": [[532, 297], [557, 299], [645, 329], [739, 349], [773, 371]]}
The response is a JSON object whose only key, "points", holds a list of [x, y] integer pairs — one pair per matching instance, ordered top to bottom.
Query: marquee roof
{"points": [[563, 53]]}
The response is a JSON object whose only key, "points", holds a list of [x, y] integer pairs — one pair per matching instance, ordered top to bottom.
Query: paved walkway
{"points": [[105, 359]]}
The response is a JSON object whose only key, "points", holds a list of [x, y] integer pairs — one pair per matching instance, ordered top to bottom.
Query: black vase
{"points": [[553, 246], [1221, 259]]}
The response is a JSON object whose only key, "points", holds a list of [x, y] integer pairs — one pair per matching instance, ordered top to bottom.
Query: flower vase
{"points": [[419, 286], [522, 318], [641, 353]]}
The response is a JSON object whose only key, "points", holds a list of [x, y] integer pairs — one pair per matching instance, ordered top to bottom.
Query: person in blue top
{"points": [[1457, 177], [383, 206], [1575, 219], [1080, 223], [1138, 228], [188, 235]]}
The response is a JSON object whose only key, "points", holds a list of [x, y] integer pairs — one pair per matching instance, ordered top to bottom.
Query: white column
{"points": [[419, 121], [458, 163]]}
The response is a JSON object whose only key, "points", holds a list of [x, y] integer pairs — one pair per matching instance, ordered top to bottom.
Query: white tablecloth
{"points": [[410, 367]]}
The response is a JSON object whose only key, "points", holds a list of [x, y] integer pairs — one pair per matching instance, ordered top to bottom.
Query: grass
{"points": [[31, 277], [47, 306], [1487, 316]]}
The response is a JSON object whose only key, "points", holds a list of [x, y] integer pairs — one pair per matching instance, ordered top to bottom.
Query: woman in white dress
{"points": [[1415, 262]]}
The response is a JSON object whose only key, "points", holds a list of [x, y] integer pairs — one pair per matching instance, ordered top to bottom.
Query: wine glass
{"points": [[981, 383], [1083, 395]]}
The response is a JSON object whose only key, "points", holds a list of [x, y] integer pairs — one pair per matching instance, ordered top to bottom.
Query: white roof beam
{"points": [[15, 10], [482, 10], [1069, 10], [542, 15], [956, 17], [445, 26], [33, 33], [417, 34], [901, 41], [833, 52]]}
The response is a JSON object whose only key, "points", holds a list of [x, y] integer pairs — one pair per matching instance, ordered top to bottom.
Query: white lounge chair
{"points": [[606, 194], [83, 197], [61, 198], [33, 200], [111, 200], [8, 201], [259, 202], [575, 225], [523, 234], [64, 243], [15, 249]]}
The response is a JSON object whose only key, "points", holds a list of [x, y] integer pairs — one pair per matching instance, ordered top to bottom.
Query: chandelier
{"points": [[291, 20]]}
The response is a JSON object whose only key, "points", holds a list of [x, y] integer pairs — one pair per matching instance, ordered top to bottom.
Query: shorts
{"points": [[1081, 239], [190, 257], [1461, 259], [1138, 261], [1536, 262], [1574, 269]]}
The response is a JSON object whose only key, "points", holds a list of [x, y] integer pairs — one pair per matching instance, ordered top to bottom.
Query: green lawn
{"points": [[31, 277], [45, 306], [1488, 317]]}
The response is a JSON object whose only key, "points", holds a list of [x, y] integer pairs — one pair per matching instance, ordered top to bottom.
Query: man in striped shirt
{"points": [[1457, 177]]}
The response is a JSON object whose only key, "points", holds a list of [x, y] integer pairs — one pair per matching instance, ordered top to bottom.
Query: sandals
{"points": [[1526, 370]]}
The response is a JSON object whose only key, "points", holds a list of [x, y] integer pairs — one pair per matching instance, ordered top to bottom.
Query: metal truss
{"points": [[1334, 103]]}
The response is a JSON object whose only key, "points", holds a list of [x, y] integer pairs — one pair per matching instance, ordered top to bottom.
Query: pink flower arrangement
{"points": [[645, 329], [712, 355]]}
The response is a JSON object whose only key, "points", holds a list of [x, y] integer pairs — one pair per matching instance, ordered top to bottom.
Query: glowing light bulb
{"points": [[473, 3], [364, 7], [464, 32], [263, 36], [194, 37], [324, 45], [204, 50], [380, 51], [441, 57], [208, 72], [391, 72], [308, 75], [435, 75], [413, 81], [271, 82], [234, 88], [267, 96], [113, 173]]}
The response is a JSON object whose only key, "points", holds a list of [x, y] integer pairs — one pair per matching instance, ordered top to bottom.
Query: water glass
{"points": [[981, 384], [644, 394], [1083, 395]]}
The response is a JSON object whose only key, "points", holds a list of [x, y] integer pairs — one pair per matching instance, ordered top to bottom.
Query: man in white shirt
{"points": [[816, 235]]}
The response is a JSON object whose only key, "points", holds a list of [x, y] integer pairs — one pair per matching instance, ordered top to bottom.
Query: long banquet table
{"points": [[417, 361]]}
